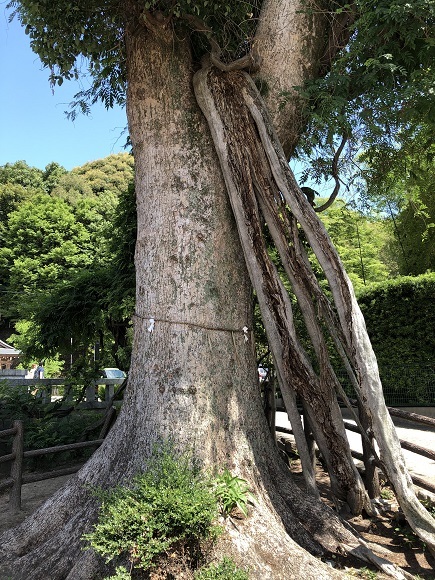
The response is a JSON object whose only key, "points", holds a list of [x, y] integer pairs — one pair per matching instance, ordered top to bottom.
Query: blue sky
{"points": [[33, 126]]}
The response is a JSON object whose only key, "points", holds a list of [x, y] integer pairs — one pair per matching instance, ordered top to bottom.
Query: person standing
{"points": [[31, 372], [39, 372]]}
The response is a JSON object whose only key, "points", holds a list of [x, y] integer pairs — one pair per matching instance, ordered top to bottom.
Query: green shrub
{"points": [[400, 320], [18, 403], [43, 426], [170, 505], [224, 570], [121, 573]]}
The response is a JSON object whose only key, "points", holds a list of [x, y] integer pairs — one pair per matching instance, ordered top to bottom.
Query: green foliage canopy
{"points": [[61, 33], [376, 94], [19, 173], [401, 183], [44, 243], [362, 243], [70, 253], [96, 298]]}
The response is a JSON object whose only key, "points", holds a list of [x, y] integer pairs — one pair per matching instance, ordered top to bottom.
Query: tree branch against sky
{"points": [[34, 123], [207, 181]]}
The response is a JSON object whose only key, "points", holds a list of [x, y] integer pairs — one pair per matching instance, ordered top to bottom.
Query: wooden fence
{"points": [[48, 388], [17, 456], [369, 459]]}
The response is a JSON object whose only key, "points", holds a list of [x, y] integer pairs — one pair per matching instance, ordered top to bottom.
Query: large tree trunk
{"points": [[291, 39], [193, 376]]}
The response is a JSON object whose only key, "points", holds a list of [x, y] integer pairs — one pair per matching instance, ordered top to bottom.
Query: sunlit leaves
{"points": [[70, 37], [87, 37], [382, 82], [362, 243], [66, 259]]}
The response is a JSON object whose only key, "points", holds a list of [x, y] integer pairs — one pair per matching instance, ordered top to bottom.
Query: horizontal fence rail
{"points": [[48, 390], [422, 451], [17, 478]]}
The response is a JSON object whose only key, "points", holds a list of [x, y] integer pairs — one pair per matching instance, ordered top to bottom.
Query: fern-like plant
{"points": [[232, 492]]}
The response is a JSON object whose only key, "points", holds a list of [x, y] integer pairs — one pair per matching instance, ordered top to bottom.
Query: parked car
{"points": [[113, 374]]}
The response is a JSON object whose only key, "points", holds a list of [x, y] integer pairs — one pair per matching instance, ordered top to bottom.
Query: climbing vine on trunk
{"points": [[263, 191]]}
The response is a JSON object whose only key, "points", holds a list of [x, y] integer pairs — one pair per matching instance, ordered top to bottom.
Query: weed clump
{"points": [[167, 517]]}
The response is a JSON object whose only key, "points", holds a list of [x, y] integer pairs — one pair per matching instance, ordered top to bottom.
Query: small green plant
{"points": [[231, 492], [387, 493], [170, 506], [430, 506], [407, 537], [224, 570], [121, 573], [367, 574]]}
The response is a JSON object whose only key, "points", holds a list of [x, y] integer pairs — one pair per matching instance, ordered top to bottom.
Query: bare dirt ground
{"points": [[32, 496], [388, 531]]}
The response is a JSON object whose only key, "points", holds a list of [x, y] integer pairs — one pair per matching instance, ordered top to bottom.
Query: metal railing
{"points": [[403, 386]]}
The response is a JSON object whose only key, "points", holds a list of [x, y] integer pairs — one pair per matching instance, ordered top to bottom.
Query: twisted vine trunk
{"points": [[261, 185]]}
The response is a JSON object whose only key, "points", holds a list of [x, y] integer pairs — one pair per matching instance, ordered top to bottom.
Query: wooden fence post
{"points": [[269, 387], [91, 393], [108, 393], [311, 443], [17, 467]]}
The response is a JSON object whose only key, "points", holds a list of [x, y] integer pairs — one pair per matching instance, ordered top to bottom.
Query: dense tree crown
{"points": [[70, 252]]}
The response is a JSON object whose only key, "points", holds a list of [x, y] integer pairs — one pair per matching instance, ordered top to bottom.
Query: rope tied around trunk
{"points": [[245, 330]]}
